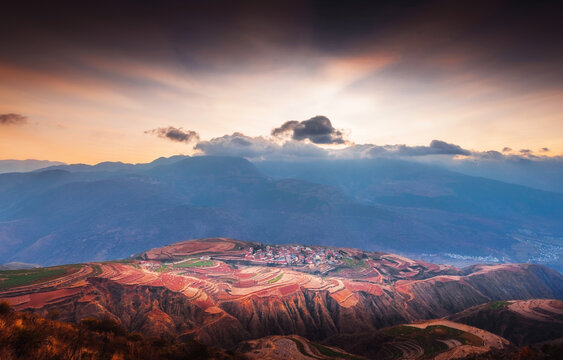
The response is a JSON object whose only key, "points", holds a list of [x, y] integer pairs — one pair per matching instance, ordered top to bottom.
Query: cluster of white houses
{"points": [[292, 255]]}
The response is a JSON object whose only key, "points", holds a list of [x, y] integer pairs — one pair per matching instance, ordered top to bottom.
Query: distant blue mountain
{"points": [[114, 165], [8, 166], [544, 173], [410, 184], [110, 210], [502, 220]]}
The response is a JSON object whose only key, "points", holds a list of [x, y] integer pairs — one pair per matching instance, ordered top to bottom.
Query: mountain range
{"points": [[8, 165], [77, 213]]}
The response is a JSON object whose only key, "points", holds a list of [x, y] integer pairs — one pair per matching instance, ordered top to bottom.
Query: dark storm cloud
{"points": [[200, 35], [222, 35], [12, 119], [318, 130], [175, 134]]}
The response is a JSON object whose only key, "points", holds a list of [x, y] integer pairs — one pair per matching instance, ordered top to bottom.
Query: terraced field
{"points": [[13, 278], [40, 278], [210, 290], [428, 340]]}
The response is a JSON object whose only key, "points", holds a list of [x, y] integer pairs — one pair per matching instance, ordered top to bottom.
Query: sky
{"points": [[135, 80]]}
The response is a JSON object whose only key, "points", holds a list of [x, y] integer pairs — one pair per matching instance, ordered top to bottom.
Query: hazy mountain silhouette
{"points": [[7, 166], [79, 213]]}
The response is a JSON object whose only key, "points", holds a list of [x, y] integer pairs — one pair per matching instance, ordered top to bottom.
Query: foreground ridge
{"points": [[223, 291]]}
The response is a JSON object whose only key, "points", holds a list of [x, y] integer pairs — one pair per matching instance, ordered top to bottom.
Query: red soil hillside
{"points": [[223, 291], [523, 322], [25, 336], [291, 347]]}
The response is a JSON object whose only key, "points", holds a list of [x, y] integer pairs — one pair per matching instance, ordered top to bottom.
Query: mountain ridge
{"points": [[225, 196]]}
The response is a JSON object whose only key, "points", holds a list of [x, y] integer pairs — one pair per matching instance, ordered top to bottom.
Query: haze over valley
{"points": [[75, 213]]}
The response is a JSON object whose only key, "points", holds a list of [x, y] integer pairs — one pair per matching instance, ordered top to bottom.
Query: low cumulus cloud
{"points": [[12, 119], [318, 130], [175, 134], [299, 139], [238, 144], [258, 147], [437, 147], [264, 148], [507, 149], [491, 155]]}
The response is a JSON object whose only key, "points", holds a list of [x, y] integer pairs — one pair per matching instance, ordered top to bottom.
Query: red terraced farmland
{"points": [[194, 247], [365, 287], [288, 289], [227, 294], [39, 300]]}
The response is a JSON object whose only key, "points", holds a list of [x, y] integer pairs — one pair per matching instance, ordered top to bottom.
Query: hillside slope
{"points": [[222, 291], [523, 322], [26, 336]]}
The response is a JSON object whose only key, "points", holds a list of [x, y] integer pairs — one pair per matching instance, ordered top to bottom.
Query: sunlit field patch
{"points": [[11, 278]]}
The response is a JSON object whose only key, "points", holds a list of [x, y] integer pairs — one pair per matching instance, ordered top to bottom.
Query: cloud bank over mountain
{"points": [[318, 138]]}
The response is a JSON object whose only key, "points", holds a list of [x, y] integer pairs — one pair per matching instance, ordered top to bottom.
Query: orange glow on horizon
{"points": [[79, 117]]}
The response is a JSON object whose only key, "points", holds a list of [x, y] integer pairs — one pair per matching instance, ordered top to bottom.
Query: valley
{"points": [[82, 213]]}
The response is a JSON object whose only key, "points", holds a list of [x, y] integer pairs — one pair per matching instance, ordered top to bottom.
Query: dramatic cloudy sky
{"points": [[135, 80]]}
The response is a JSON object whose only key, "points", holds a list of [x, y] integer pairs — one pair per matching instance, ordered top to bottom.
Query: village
{"points": [[292, 255]]}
